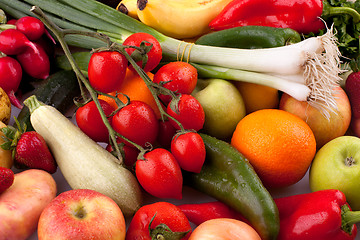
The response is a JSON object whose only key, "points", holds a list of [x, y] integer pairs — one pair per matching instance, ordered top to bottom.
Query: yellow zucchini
{"points": [[83, 162]]}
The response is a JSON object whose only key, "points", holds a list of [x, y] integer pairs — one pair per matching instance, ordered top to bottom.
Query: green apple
{"points": [[223, 106], [336, 166]]}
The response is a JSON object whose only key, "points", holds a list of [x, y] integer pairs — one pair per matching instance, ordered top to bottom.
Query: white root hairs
{"points": [[322, 74]]}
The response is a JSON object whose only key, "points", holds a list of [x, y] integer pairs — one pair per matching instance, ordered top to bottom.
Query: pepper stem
{"points": [[332, 11], [349, 218]]}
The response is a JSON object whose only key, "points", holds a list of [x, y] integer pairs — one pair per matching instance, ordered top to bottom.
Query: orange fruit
{"points": [[135, 88], [257, 97], [278, 144]]}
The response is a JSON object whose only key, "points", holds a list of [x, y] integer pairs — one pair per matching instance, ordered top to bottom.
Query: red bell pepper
{"points": [[300, 15], [311, 216]]}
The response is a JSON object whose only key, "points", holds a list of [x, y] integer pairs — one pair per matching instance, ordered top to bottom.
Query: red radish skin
{"points": [[31, 27], [13, 42], [35, 62], [10, 74], [10, 78], [352, 88]]}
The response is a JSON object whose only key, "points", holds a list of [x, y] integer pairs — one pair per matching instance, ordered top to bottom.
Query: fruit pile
{"points": [[137, 135]]}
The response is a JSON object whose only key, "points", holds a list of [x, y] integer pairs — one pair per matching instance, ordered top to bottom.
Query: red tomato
{"points": [[153, 56], [106, 70], [179, 77], [190, 113], [89, 120], [137, 122], [166, 133], [189, 150], [129, 153], [159, 174], [163, 213], [224, 229]]}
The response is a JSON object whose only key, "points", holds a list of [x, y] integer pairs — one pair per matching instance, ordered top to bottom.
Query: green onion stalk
{"points": [[308, 70]]}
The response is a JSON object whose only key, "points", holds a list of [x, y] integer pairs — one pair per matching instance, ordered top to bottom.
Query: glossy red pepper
{"points": [[300, 15], [311, 216]]}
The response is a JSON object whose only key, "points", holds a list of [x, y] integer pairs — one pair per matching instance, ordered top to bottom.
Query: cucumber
{"points": [[59, 90]]}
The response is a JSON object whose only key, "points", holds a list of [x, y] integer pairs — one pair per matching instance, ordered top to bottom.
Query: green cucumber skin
{"points": [[250, 37], [59, 91], [228, 177]]}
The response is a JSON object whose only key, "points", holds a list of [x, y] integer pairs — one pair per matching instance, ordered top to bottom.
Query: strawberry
{"points": [[352, 88], [29, 149], [6, 178]]}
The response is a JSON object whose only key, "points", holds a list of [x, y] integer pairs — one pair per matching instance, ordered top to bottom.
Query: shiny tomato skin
{"points": [[154, 55], [106, 70], [179, 77], [190, 113], [89, 120], [137, 122], [165, 134], [189, 150], [129, 153], [160, 174], [165, 213]]}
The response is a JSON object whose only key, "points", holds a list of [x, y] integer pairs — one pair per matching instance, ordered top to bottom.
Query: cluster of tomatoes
{"points": [[22, 51], [175, 144]]}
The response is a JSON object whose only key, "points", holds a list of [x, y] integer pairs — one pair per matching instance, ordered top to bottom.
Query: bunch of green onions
{"points": [[308, 70]]}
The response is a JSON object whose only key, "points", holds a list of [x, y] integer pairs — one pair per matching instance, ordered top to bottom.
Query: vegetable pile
{"points": [[116, 106]]}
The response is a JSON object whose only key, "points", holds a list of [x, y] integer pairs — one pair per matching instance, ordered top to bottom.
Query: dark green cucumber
{"points": [[250, 37], [81, 58], [59, 91], [228, 177]]}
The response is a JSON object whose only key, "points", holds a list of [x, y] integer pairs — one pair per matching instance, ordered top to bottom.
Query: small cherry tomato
{"points": [[153, 57], [106, 70], [179, 77], [188, 111], [89, 120], [137, 122], [166, 133], [189, 150], [129, 153], [159, 174], [160, 215], [224, 229]]}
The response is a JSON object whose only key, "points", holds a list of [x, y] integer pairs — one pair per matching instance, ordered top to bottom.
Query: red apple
{"points": [[352, 88], [324, 129], [82, 214]]}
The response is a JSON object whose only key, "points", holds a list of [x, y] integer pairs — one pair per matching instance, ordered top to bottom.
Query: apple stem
{"points": [[349, 161]]}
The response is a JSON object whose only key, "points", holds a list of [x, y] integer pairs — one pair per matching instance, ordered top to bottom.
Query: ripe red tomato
{"points": [[153, 56], [106, 70], [180, 77], [190, 113], [89, 120], [137, 122], [166, 133], [189, 150], [129, 153], [159, 174], [163, 213]]}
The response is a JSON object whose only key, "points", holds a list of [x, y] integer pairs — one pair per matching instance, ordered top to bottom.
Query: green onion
{"points": [[308, 70]]}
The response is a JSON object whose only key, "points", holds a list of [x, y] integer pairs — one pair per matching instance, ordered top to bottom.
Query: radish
{"points": [[31, 27], [13, 42], [35, 62], [10, 78], [352, 88]]}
